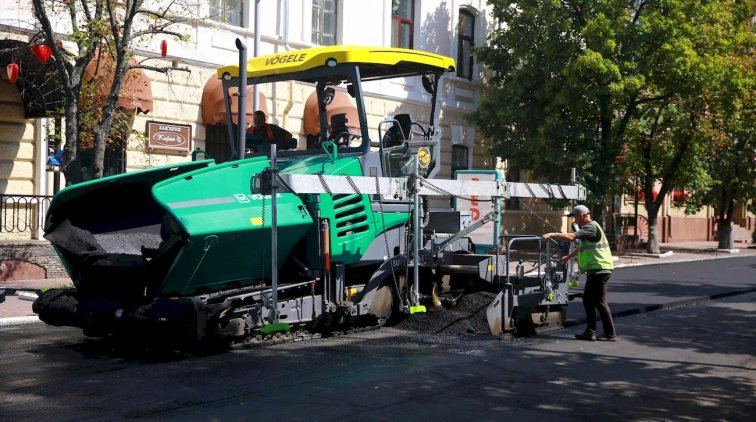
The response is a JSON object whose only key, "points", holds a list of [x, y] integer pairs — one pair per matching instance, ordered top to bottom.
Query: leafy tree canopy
{"points": [[110, 28], [618, 89]]}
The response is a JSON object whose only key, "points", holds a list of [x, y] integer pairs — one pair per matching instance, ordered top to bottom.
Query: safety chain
{"points": [[325, 185], [353, 185], [547, 188], [437, 189], [561, 192], [385, 239]]}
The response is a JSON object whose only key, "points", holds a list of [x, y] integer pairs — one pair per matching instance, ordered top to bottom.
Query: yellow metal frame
{"points": [[311, 58]]}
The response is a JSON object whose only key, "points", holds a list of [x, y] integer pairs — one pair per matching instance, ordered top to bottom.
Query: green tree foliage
{"points": [[106, 27], [619, 89], [731, 155]]}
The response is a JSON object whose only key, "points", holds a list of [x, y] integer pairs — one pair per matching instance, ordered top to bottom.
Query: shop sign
{"points": [[169, 136]]}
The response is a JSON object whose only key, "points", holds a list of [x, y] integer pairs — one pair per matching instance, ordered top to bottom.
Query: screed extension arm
{"points": [[398, 187]]}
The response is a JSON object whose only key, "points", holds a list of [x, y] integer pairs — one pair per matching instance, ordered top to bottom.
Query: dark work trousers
{"points": [[594, 298]]}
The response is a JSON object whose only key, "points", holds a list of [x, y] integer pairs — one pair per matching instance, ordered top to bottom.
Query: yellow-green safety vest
{"points": [[595, 255]]}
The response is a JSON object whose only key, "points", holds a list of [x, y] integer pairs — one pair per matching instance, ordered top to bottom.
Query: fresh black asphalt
{"points": [[647, 288]]}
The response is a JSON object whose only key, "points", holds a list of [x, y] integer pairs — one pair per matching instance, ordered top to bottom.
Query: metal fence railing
{"points": [[23, 213]]}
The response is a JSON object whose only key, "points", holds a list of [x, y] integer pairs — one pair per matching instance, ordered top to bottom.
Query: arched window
{"points": [[466, 42]]}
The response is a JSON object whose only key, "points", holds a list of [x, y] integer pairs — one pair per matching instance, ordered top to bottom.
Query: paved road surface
{"points": [[648, 287], [695, 362]]}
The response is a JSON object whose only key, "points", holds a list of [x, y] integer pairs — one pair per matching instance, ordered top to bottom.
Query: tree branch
{"points": [[85, 8], [576, 11], [41, 14], [637, 14], [71, 15], [159, 15], [113, 24], [153, 32], [163, 70], [652, 99], [626, 119], [677, 158], [649, 177]]}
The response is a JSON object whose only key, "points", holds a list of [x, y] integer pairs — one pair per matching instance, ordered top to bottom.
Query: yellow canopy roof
{"points": [[374, 62]]}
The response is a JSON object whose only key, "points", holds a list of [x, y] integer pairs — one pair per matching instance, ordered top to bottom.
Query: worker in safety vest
{"points": [[261, 134], [594, 259]]}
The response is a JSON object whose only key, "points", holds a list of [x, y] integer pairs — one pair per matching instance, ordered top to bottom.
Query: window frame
{"points": [[321, 12], [220, 17], [396, 23], [461, 39], [461, 150]]}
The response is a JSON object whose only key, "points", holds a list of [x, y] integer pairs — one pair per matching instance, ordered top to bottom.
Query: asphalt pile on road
{"points": [[468, 316]]}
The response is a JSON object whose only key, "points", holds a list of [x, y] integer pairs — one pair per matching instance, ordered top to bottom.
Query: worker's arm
{"points": [[569, 237], [565, 259]]}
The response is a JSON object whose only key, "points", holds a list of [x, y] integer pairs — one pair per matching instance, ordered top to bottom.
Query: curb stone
{"points": [[15, 321]]}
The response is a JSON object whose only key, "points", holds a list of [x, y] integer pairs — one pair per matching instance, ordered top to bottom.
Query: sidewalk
{"points": [[681, 252], [17, 307], [17, 310]]}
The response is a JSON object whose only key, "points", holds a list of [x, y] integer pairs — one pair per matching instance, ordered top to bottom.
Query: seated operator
{"points": [[261, 134]]}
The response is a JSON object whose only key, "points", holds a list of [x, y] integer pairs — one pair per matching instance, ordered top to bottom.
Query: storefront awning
{"points": [[136, 90], [213, 103], [340, 104]]}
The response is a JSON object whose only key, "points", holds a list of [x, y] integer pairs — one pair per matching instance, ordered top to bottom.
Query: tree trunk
{"points": [[103, 129], [98, 159], [71, 161], [652, 210], [597, 212], [653, 225], [724, 230], [724, 236]]}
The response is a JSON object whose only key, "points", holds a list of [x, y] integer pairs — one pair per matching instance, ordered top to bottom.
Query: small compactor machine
{"points": [[336, 234]]}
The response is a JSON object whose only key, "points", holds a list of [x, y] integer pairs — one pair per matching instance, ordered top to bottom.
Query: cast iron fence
{"points": [[23, 213]]}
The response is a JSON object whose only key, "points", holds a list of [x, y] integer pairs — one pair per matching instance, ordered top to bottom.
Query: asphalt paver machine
{"points": [[336, 234]]}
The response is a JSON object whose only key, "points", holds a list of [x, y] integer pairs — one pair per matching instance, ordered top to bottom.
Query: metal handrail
{"points": [[23, 213], [516, 239], [547, 282]]}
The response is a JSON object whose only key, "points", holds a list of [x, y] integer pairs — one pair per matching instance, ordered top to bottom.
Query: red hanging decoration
{"points": [[164, 48], [42, 52], [12, 70]]}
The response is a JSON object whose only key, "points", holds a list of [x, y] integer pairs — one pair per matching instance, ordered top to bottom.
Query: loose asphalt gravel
{"points": [[468, 316]]}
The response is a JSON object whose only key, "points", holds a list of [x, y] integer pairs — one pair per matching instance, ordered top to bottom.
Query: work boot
{"points": [[588, 336], [608, 338]]}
